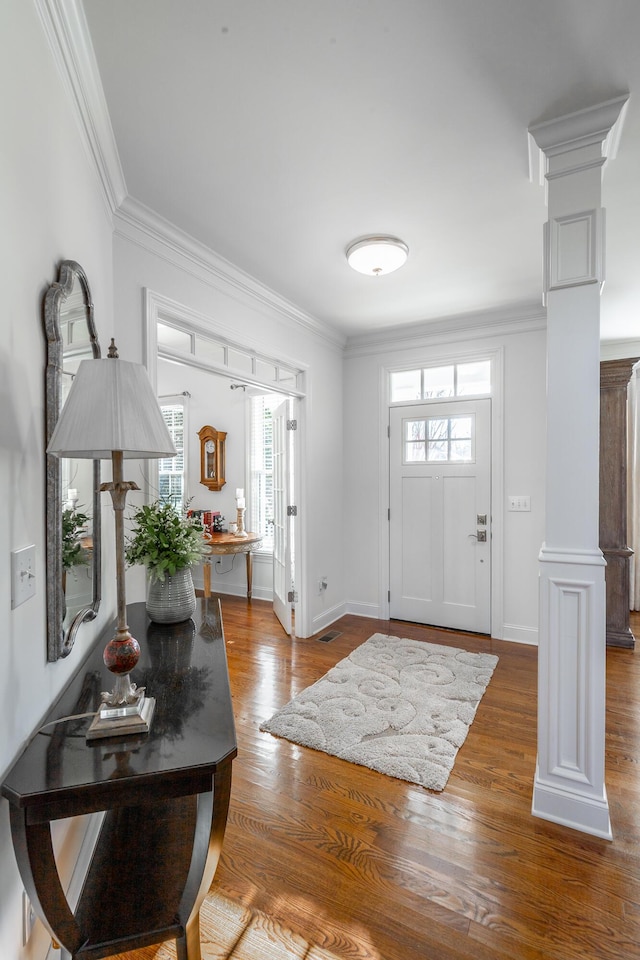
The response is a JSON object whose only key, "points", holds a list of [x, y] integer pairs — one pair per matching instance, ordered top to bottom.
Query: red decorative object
{"points": [[121, 654]]}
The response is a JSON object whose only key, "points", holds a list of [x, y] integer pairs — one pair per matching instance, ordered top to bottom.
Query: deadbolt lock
{"points": [[482, 520]]}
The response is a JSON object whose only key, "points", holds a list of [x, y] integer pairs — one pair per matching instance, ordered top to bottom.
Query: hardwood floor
{"points": [[325, 860]]}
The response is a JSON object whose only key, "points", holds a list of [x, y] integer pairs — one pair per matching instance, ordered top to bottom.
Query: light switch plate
{"points": [[519, 504], [23, 575]]}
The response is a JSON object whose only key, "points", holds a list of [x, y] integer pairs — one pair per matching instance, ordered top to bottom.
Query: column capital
{"points": [[577, 140]]}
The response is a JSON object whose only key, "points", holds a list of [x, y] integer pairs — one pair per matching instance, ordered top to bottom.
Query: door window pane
{"points": [[172, 337], [210, 350], [473, 378], [438, 382], [406, 386], [460, 427], [415, 429], [438, 429], [437, 450], [460, 450]]}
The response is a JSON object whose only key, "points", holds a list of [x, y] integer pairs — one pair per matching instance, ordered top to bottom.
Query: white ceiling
{"points": [[277, 131]]}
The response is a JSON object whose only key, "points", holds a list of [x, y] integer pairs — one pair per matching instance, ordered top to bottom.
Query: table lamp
{"points": [[111, 412]]}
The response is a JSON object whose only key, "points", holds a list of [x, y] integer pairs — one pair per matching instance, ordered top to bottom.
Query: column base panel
{"points": [[569, 809]]}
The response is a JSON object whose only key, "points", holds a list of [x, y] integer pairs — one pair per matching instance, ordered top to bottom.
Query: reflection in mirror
{"points": [[73, 498]]}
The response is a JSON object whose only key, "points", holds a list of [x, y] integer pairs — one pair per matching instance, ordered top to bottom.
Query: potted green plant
{"points": [[167, 544]]}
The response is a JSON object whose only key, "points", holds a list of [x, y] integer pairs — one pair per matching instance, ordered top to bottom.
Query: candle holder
{"points": [[240, 532]]}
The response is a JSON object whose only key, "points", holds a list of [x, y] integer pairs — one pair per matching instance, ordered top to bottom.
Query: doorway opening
{"points": [[261, 447]]}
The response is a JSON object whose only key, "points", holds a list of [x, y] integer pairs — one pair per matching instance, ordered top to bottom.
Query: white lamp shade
{"points": [[375, 256], [111, 406]]}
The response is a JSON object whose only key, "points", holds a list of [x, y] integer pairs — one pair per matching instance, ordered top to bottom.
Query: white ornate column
{"points": [[569, 784]]}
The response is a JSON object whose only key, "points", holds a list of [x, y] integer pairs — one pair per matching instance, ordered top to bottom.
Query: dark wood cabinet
{"points": [[614, 381], [165, 795]]}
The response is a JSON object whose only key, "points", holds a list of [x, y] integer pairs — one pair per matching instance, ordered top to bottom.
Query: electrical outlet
{"points": [[23, 575], [322, 584], [28, 918]]}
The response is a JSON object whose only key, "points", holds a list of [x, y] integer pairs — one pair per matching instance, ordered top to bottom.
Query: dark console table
{"points": [[165, 795]]}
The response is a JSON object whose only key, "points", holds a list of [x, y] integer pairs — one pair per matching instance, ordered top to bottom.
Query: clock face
{"points": [[209, 446]]}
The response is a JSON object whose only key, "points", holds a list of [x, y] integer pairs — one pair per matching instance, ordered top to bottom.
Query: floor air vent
{"points": [[327, 637]]}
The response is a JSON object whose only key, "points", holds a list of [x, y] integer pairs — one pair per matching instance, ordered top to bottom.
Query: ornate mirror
{"points": [[73, 498]]}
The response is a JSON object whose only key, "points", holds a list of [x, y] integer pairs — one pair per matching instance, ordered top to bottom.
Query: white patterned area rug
{"points": [[401, 707]]}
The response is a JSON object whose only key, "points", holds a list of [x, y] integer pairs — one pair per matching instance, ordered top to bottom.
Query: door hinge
{"points": [[292, 424], [388, 431], [292, 511], [389, 514], [292, 596], [389, 596]]}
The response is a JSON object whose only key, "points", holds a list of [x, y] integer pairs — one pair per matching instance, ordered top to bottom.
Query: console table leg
{"points": [[249, 574], [213, 808], [37, 865], [188, 947]]}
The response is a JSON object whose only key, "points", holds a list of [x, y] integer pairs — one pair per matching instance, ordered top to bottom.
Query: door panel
{"points": [[440, 483], [459, 517], [417, 534]]}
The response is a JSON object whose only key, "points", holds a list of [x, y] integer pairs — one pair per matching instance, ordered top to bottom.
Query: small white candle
{"points": [[239, 492], [72, 493], [240, 503]]}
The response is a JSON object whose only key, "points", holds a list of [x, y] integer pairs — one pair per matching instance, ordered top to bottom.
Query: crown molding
{"points": [[67, 33], [139, 224], [519, 318]]}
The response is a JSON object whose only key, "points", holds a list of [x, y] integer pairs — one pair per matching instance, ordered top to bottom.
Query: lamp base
{"points": [[122, 721]]}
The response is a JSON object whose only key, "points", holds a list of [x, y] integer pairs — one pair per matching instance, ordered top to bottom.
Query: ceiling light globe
{"points": [[375, 256]]}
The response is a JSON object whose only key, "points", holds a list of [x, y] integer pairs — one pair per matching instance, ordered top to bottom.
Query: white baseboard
{"points": [[364, 610], [327, 617], [518, 634]]}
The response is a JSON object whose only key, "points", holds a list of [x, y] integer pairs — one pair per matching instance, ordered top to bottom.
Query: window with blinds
{"points": [[261, 467], [171, 470]]}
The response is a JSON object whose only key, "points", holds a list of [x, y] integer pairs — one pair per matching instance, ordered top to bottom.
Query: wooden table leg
{"points": [[249, 573], [206, 574], [211, 821]]}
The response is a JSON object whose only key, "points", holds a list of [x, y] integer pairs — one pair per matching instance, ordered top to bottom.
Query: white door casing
{"points": [[282, 553], [440, 568]]}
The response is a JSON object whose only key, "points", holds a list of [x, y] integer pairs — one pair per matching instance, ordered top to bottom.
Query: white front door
{"points": [[440, 514], [282, 552]]}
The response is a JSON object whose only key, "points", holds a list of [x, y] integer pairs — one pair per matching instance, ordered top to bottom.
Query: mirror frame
{"points": [[60, 640]]}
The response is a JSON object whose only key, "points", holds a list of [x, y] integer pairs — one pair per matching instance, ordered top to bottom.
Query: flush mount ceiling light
{"points": [[375, 256]]}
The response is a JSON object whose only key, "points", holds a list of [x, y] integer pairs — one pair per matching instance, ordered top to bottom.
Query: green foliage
{"points": [[73, 526], [162, 540]]}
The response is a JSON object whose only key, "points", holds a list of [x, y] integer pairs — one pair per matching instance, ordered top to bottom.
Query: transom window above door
{"points": [[434, 383], [439, 439]]}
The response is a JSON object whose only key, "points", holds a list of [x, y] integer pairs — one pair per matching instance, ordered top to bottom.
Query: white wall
{"points": [[51, 210], [142, 260], [522, 438]]}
